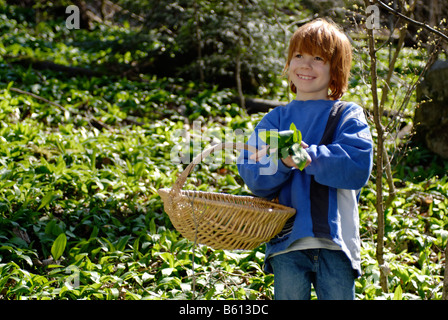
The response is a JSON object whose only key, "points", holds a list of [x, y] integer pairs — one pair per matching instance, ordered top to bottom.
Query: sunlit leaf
{"points": [[58, 247]]}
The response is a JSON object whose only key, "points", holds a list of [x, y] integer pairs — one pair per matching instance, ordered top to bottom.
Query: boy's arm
{"points": [[347, 162]]}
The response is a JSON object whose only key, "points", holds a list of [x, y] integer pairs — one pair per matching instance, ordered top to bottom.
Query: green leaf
{"points": [[9, 85], [292, 127], [297, 135], [269, 136], [286, 138], [284, 152], [299, 155], [46, 200], [152, 226], [94, 233], [121, 245], [58, 247], [168, 258], [167, 271], [398, 293]]}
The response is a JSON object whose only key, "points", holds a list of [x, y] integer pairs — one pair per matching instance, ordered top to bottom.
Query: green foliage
{"points": [[219, 30], [287, 143], [79, 214]]}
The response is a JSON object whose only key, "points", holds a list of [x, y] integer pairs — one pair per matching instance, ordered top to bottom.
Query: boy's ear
{"points": [[293, 87]]}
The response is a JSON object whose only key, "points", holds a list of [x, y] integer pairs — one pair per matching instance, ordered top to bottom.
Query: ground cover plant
{"points": [[82, 157]]}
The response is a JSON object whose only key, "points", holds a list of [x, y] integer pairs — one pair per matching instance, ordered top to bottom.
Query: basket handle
{"points": [[220, 146]]}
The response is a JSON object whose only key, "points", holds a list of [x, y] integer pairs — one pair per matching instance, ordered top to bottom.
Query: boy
{"points": [[320, 245]]}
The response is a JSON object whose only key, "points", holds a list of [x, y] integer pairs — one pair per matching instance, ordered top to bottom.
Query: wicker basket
{"points": [[219, 220]]}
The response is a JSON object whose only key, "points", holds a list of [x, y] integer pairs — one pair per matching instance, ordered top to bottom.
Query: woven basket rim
{"points": [[272, 207]]}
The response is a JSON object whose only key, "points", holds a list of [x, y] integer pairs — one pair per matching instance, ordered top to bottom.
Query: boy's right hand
{"points": [[260, 154], [287, 161], [290, 163]]}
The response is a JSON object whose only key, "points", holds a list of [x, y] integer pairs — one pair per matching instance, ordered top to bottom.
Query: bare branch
{"points": [[418, 23], [35, 96], [90, 119], [380, 158]]}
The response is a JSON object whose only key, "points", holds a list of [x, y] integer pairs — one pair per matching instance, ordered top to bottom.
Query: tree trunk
{"points": [[103, 10], [85, 22], [198, 42], [239, 53], [239, 86], [379, 160], [445, 276]]}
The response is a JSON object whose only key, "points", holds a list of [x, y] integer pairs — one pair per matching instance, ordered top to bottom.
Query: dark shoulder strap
{"points": [[333, 121], [319, 193]]}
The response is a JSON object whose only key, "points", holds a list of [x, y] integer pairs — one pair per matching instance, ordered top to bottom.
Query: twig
{"points": [[125, 11], [418, 23], [433, 56], [392, 66], [35, 96], [88, 119], [387, 162], [195, 243], [445, 278], [193, 286]]}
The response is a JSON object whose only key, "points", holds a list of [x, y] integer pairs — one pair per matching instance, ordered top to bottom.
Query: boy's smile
{"points": [[310, 75], [305, 77]]}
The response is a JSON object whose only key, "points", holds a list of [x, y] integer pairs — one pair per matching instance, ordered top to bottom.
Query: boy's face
{"points": [[310, 75]]}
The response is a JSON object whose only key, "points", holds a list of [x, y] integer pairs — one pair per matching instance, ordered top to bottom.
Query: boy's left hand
{"points": [[290, 163]]}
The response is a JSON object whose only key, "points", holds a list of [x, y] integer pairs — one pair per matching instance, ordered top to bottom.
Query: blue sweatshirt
{"points": [[344, 166]]}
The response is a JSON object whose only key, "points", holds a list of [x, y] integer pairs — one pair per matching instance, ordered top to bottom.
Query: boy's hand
{"points": [[260, 154], [287, 161], [290, 163]]}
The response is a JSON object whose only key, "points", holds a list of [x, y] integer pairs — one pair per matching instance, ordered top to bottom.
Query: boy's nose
{"points": [[305, 63], [305, 66]]}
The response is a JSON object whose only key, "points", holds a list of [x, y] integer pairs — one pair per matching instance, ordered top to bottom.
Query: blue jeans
{"points": [[329, 271]]}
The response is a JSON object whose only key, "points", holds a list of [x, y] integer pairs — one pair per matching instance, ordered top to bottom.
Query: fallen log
{"points": [[49, 65], [254, 105]]}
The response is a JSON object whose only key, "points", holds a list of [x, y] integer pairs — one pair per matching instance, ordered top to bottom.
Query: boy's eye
{"points": [[298, 55], [318, 58]]}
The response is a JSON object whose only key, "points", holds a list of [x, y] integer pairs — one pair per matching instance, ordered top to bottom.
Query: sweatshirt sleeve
{"points": [[347, 162], [265, 177]]}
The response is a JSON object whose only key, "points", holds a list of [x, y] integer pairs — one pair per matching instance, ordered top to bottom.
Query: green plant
{"points": [[288, 143], [80, 217]]}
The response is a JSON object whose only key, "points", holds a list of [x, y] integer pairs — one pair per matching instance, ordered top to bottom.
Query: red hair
{"points": [[324, 39]]}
